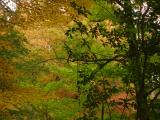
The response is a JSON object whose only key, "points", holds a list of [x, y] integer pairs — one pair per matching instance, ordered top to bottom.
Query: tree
{"points": [[135, 40], [12, 47]]}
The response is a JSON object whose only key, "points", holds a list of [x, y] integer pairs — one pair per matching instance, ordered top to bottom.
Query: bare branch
{"points": [[117, 58]]}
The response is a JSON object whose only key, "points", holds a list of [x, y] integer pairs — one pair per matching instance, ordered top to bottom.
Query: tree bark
{"points": [[137, 69], [142, 106]]}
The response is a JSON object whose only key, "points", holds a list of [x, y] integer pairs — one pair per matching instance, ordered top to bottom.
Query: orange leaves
{"points": [[5, 45], [6, 75], [63, 92]]}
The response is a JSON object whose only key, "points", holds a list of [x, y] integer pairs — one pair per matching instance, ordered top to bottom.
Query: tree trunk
{"points": [[138, 78], [142, 106], [102, 112]]}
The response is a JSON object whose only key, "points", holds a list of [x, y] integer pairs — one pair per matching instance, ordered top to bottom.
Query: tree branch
{"points": [[119, 3], [115, 58], [101, 66], [149, 92], [155, 98]]}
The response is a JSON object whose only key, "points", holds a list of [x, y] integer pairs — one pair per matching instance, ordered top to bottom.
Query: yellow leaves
{"points": [[109, 25], [3, 43], [6, 45], [6, 75], [49, 78], [13, 99], [11, 107]]}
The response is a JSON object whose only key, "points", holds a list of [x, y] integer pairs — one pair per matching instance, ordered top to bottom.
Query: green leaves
{"points": [[80, 10], [102, 11], [133, 32], [12, 45], [92, 46]]}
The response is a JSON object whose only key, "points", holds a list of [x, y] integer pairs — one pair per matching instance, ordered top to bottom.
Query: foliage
{"points": [[97, 15], [134, 37], [11, 47], [112, 48], [87, 49], [33, 70], [46, 110]]}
